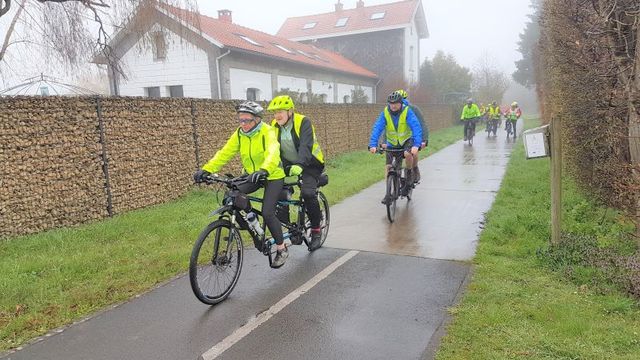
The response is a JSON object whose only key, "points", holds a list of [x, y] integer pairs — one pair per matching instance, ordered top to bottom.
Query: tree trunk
{"points": [[7, 36]]}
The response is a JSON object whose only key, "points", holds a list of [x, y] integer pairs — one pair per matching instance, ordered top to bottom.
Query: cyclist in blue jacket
{"points": [[403, 131]]}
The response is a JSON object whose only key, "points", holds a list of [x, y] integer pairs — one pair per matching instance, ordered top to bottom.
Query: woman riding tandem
{"points": [[259, 151]]}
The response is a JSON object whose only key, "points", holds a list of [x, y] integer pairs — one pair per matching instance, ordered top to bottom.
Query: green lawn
{"points": [[50, 279], [517, 306]]}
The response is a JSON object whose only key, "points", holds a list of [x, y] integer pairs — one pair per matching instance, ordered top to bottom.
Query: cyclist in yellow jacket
{"points": [[470, 114], [259, 151], [301, 156]]}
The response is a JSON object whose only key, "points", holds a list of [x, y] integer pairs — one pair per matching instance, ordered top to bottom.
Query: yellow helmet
{"points": [[403, 93], [282, 102], [514, 104]]}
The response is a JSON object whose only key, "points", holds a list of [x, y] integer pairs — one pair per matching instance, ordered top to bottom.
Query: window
{"points": [[378, 15], [342, 22], [310, 25], [249, 40], [159, 46], [284, 49], [305, 54], [411, 58], [44, 91], [176, 91], [152, 92], [253, 94], [323, 98], [346, 99]]}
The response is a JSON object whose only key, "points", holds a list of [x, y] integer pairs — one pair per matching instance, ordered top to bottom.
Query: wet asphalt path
{"points": [[385, 300]]}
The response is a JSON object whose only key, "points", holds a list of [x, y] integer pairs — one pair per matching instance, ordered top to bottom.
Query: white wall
{"points": [[143, 71], [411, 73], [241, 80], [292, 83], [323, 87], [369, 91]]}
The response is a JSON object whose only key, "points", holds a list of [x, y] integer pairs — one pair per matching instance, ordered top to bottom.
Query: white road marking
{"points": [[243, 331]]}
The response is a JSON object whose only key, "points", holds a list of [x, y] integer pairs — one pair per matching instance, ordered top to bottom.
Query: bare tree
{"points": [[70, 32], [489, 83]]}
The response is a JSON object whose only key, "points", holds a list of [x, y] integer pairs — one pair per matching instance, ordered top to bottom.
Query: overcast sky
{"points": [[464, 28]]}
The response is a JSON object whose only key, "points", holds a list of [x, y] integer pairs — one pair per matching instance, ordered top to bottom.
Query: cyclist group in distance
{"points": [[491, 115]]}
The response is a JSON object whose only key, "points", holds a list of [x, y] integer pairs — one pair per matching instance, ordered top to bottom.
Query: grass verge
{"points": [[51, 279], [517, 305]]}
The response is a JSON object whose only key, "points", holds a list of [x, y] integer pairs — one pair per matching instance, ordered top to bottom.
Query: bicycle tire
{"points": [[392, 196], [325, 222], [216, 262]]}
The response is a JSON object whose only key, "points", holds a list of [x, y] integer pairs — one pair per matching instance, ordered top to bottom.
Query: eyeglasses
{"points": [[245, 121]]}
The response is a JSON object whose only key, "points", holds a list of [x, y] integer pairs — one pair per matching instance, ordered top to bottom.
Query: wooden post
{"points": [[556, 180]]}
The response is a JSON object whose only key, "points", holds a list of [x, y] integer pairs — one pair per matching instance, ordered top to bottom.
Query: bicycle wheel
{"points": [[470, 135], [392, 196], [326, 219], [216, 262]]}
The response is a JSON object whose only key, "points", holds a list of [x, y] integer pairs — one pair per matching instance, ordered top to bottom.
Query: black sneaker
{"points": [[385, 200], [316, 237], [296, 239], [281, 257]]}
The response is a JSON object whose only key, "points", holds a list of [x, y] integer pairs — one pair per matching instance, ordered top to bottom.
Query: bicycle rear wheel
{"points": [[392, 196], [324, 222], [216, 262]]}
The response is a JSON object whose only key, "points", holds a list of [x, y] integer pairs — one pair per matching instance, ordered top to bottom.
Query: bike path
{"points": [[443, 218], [378, 304]]}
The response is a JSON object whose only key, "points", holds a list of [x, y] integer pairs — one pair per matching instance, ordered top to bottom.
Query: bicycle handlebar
{"points": [[229, 181]]}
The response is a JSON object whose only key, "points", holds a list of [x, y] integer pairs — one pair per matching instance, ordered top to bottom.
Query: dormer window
{"points": [[378, 15], [342, 22], [310, 25], [249, 40]]}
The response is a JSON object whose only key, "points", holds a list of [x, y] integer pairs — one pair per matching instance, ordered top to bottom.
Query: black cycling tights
{"points": [[272, 190]]}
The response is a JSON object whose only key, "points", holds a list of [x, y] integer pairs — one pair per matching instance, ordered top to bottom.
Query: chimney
{"points": [[360, 4], [338, 6], [225, 15]]}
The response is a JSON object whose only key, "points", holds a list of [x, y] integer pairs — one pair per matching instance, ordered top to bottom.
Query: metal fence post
{"points": [[105, 158]]}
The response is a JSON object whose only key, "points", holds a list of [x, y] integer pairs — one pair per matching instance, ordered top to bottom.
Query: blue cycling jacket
{"points": [[380, 125]]}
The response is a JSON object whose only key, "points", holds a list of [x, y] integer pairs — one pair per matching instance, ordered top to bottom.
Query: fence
{"points": [[66, 161]]}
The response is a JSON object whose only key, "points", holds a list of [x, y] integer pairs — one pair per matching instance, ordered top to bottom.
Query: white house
{"points": [[222, 60]]}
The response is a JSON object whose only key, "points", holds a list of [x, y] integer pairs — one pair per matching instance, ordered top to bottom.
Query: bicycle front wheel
{"points": [[392, 196], [216, 262]]}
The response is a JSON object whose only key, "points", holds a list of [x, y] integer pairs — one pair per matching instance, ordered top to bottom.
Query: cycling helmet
{"points": [[403, 93], [394, 97], [469, 101], [282, 102], [514, 104], [250, 107]]}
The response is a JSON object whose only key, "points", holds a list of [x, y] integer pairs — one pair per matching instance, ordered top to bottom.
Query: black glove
{"points": [[199, 176], [258, 176]]}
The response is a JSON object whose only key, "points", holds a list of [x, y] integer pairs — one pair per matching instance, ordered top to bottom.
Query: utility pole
{"points": [[556, 180]]}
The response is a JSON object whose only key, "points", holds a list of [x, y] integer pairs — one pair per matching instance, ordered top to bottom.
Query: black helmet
{"points": [[395, 97], [250, 107]]}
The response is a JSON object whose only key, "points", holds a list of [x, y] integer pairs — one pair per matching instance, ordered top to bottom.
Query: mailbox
{"points": [[536, 142]]}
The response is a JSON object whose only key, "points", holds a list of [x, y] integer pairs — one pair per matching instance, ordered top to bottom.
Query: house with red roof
{"points": [[383, 38], [171, 52]]}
